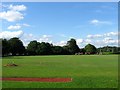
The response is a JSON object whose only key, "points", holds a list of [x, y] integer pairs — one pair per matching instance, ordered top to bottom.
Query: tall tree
{"points": [[16, 46], [72, 46], [5, 47], [32, 47], [91, 49]]}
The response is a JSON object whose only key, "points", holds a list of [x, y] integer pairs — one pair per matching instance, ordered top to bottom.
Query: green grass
{"points": [[87, 71]]}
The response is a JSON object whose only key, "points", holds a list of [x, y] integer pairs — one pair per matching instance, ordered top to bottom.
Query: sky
{"points": [[57, 22]]}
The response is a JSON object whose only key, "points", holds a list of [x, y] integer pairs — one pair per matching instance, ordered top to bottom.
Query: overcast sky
{"points": [[95, 23]]}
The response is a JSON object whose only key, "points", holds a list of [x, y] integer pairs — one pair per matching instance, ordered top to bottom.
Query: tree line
{"points": [[14, 46]]}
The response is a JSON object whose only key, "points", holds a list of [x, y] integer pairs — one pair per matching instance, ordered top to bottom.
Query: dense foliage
{"points": [[14, 46], [72, 46], [5, 47], [90, 49], [109, 49]]}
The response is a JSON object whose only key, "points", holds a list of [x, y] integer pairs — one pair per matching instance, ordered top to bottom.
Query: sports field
{"points": [[86, 71]]}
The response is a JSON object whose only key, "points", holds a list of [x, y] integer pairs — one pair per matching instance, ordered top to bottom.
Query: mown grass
{"points": [[87, 71]]}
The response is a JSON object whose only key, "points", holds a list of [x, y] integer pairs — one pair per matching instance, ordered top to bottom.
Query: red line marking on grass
{"points": [[38, 79]]}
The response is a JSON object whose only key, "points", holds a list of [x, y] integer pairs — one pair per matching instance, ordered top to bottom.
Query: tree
{"points": [[16, 46], [72, 46], [0, 47], [5, 47], [32, 47], [44, 49], [90, 49], [109, 49], [57, 50], [66, 50], [82, 50]]}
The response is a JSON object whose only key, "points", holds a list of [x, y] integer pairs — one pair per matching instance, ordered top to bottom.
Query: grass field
{"points": [[87, 71]]}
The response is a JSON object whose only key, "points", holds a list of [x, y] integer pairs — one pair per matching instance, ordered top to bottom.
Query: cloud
{"points": [[3, 6], [17, 7], [12, 13], [11, 16], [94, 21], [98, 22], [27, 25], [16, 27], [9, 34], [111, 34], [102, 35], [94, 36], [26, 38], [45, 38], [109, 38], [104, 39], [79, 41], [87, 41], [109, 41], [82, 42], [106, 42], [61, 43], [99, 43]]}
